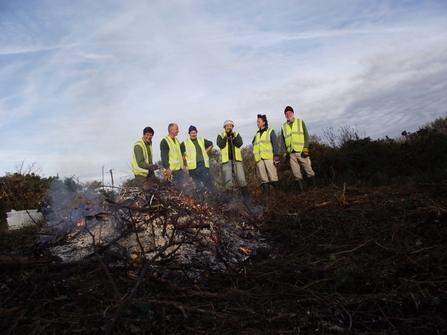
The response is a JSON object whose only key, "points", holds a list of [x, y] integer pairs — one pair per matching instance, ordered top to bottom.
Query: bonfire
{"points": [[164, 227]]}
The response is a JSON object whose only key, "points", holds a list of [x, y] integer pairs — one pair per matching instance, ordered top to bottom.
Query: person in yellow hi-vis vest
{"points": [[230, 143], [295, 145], [266, 154], [171, 155], [195, 157], [142, 163]]}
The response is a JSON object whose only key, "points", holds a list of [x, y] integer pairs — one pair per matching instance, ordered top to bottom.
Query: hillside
{"points": [[360, 260]]}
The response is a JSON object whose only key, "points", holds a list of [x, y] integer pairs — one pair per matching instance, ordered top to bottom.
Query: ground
{"points": [[344, 260]]}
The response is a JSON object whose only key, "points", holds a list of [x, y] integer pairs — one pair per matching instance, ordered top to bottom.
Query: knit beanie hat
{"points": [[288, 109], [228, 122], [192, 128]]}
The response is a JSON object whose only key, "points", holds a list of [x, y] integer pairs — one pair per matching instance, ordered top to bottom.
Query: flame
{"points": [[199, 207], [246, 251]]}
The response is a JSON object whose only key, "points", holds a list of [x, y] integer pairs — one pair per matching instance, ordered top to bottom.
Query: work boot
{"points": [[311, 182], [275, 186], [299, 186], [265, 189], [244, 192]]}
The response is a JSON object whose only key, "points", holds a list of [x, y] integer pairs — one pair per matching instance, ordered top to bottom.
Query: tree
{"points": [[344, 134], [33, 167], [22, 191]]}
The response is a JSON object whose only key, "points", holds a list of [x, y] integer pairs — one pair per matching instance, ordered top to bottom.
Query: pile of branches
{"points": [[158, 226], [346, 260]]}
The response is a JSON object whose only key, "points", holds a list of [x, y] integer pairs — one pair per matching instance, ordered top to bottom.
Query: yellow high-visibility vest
{"points": [[293, 136], [262, 148], [224, 152], [191, 153], [175, 155], [137, 171]]}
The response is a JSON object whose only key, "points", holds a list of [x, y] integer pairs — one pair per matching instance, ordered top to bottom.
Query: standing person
{"points": [[230, 143], [295, 143], [195, 153], [266, 153], [171, 155], [142, 164]]}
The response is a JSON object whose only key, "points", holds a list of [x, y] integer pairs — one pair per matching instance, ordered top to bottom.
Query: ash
{"points": [[184, 231]]}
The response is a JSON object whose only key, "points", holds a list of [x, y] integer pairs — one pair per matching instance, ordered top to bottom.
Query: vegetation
{"points": [[21, 191]]}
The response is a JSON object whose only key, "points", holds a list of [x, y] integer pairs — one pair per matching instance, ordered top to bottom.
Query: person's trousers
{"points": [[296, 161], [227, 170], [267, 170], [201, 174], [177, 176]]}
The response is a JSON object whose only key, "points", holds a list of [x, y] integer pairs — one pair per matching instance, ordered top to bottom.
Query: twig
{"points": [[342, 199], [352, 250]]}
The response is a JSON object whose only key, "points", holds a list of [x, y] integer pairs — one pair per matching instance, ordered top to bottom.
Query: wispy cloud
{"points": [[80, 80]]}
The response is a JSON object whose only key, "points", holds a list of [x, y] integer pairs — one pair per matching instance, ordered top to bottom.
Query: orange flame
{"points": [[246, 251]]}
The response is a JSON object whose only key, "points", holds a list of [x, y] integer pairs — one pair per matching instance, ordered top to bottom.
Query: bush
{"points": [[419, 157], [21, 191]]}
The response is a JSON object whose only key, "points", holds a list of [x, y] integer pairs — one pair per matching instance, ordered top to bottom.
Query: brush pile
{"points": [[159, 227]]}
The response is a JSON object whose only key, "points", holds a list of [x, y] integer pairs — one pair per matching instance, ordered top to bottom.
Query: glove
{"points": [[229, 134], [305, 153], [286, 157], [276, 160], [168, 177]]}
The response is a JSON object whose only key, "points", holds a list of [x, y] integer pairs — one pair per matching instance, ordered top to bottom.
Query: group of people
{"points": [[191, 155]]}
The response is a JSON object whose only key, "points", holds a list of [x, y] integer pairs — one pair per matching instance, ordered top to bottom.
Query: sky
{"points": [[79, 80]]}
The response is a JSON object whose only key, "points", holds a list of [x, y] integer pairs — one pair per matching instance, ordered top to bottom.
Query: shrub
{"points": [[21, 191]]}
